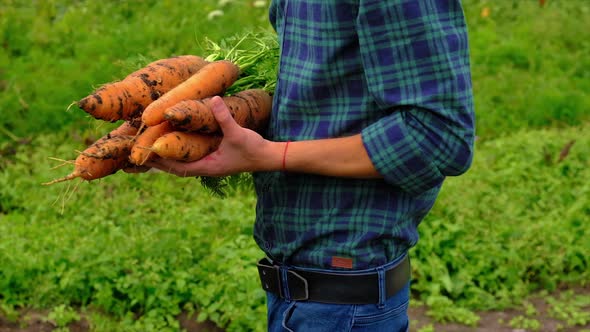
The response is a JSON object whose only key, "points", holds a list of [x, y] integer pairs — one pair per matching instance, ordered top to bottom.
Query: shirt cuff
{"points": [[398, 157]]}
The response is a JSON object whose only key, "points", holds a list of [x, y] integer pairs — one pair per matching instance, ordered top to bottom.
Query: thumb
{"points": [[222, 114]]}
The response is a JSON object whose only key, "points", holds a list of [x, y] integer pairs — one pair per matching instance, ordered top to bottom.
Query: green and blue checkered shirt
{"points": [[396, 71]]}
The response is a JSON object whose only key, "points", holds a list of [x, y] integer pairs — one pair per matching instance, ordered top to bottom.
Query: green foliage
{"points": [[56, 52], [257, 55], [530, 64], [220, 186], [517, 222], [146, 245], [142, 248], [133, 251], [240, 303], [570, 308], [443, 310], [9, 312], [62, 315], [525, 323], [427, 328]]}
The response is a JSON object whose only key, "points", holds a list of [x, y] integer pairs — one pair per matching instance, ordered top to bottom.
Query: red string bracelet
{"points": [[285, 156]]}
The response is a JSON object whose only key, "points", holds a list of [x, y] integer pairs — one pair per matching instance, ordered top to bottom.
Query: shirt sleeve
{"points": [[416, 61]]}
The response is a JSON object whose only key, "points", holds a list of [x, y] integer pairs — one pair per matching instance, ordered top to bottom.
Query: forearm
{"points": [[244, 150], [341, 157]]}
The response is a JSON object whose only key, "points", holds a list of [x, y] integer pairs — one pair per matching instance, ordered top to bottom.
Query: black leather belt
{"points": [[340, 288]]}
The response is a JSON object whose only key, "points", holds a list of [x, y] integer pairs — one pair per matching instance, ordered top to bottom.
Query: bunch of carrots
{"points": [[165, 113]]}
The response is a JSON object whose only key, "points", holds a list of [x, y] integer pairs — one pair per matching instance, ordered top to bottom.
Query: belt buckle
{"points": [[270, 276], [271, 280], [298, 287]]}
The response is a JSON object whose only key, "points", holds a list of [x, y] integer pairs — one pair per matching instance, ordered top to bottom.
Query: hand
{"points": [[241, 150], [136, 169]]}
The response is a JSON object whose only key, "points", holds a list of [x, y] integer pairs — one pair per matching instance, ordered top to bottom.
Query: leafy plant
{"points": [[481, 246], [138, 250], [571, 308], [62, 315], [525, 323]]}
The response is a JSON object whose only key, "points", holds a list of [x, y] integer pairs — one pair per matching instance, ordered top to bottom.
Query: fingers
{"points": [[222, 115], [166, 165], [178, 168], [136, 169]]}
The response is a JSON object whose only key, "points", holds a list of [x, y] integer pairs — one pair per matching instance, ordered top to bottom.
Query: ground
{"points": [[491, 321], [499, 321]]}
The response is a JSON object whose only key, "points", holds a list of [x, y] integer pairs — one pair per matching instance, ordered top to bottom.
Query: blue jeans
{"points": [[307, 316]]}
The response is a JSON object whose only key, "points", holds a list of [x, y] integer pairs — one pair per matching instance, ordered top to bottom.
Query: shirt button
{"points": [[267, 245]]}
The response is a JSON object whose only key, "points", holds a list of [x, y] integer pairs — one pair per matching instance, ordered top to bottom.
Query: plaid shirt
{"points": [[396, 71]]}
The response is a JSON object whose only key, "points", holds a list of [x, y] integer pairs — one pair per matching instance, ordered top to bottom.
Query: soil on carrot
{"points": [[490, 321]]}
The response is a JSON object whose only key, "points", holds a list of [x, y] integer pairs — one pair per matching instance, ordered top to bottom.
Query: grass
{"points": [[56, 52], [529, 64], [515, 224], [153, 244], [130, 252]]}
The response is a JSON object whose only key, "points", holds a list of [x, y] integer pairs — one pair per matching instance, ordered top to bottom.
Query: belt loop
{"points": [[285, 283], [382, 290]]}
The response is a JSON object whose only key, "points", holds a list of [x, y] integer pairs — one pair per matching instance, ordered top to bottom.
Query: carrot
{"points": [[213, 79], [127, 98], [250, 108], [135, 122], [126, 128], [183, 146], [111, 147], [140, 152], [105, 157]]}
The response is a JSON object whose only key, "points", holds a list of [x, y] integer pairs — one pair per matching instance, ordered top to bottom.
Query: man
{"points": [[373, 109]]}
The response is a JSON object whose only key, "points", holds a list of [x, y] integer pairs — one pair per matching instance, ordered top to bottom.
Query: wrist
{"points": [[273, 157]]}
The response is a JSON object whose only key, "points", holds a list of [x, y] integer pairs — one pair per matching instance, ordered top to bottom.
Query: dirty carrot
{"points": [[213, 79], [127, 98], [250, 108], [126, 128], [184, 146], [111, 148], [140, 152], [103, 158]]}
